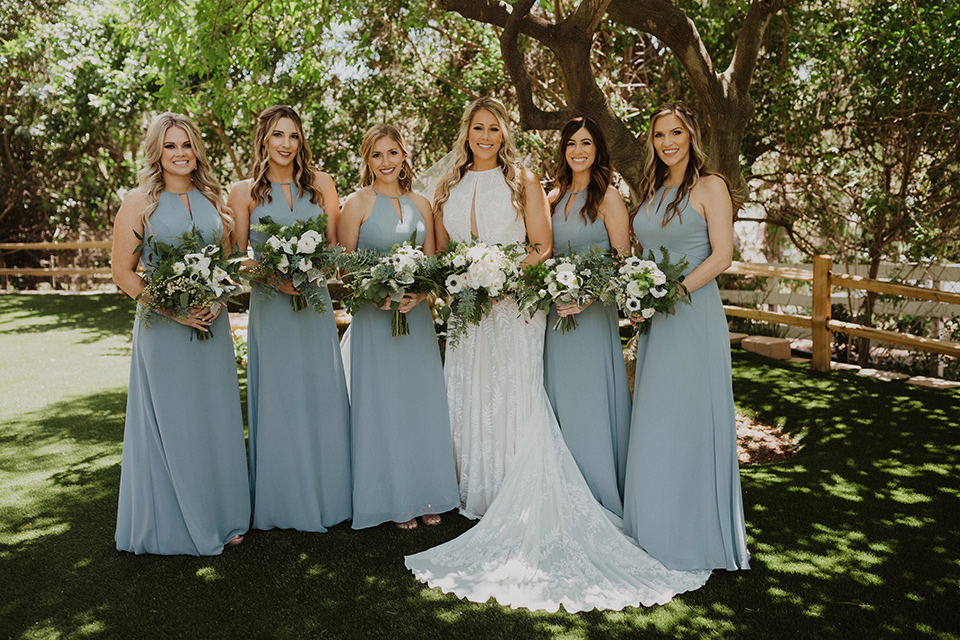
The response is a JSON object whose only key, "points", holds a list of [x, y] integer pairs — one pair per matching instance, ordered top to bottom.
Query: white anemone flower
{"points": [[455, 283]]}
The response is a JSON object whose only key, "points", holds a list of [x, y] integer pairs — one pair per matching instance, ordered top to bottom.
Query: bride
{"points": [[543, 540]]}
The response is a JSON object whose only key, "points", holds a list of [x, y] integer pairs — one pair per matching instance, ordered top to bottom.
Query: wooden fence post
{"points": [[822, 265]]}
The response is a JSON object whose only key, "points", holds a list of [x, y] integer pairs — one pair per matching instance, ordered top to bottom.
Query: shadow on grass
{"points": [[100, 315], [857, 534], [855, 537]]}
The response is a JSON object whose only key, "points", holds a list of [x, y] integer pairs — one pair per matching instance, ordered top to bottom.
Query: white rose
{"points": [[274, 243], [306, 244], [480, 251], [459, 260], [305, 265], [649, 265], [659, 277], [634, 290], [647, 313]]}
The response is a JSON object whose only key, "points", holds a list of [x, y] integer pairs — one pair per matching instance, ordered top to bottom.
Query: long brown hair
{"points": [[372, 137], [506, 156], [302, 171], [655, 172], [601, 173], [151, 175]]}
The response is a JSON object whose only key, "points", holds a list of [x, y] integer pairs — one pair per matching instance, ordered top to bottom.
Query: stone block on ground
{"points": [[736, 338], [776, 348], [844, 366], [886, 376], [933, 383]]}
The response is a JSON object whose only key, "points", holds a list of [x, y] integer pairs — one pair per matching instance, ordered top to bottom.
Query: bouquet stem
{"points": [[298, 302], [566, 323], [400, 325], [643, 327], [201, 334]]}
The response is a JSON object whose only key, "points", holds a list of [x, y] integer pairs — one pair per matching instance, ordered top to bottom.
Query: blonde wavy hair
{"points": [[372, 137], [463, 161], [302, 171], [655, 172], [151, 175]]}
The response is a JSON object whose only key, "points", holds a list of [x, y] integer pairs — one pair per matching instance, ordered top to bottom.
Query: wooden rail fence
{"points": [[52, 272], [819, 322]]}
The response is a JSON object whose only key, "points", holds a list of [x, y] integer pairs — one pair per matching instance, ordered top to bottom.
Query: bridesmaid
{"points": [[584, 373], [297, 408], [402, 451], [183, 481], [682, 497]]}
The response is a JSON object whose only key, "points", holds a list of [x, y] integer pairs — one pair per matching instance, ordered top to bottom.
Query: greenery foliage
{"points": [[847, 132]]}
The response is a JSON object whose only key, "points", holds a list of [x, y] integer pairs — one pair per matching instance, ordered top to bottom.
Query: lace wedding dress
{"points": [[543, 540]]}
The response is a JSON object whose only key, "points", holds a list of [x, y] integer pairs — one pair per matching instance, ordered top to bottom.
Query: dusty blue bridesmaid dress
{"points": [[584, 373], [297, 409], [402, 449], [183, 480], [682, 497]]}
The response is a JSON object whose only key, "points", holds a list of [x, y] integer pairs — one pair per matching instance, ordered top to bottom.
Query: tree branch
{"points": [[498, 14], [585, 18], [671, 26], [749, 41], [531, 116]]}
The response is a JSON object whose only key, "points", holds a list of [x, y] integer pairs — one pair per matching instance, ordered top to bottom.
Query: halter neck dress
{"points": [[584, 372], [297, 408], [402, 454], [183, 479], [682, 497]]}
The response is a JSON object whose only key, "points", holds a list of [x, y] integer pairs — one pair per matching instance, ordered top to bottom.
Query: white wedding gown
{"points": [[543, 540]]}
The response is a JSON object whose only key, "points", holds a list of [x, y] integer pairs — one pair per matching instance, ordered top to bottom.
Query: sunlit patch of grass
{"points": [[842, 488], [208, 574]]}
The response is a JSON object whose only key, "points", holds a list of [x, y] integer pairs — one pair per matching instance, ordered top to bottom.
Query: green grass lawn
{"points": [[858, 536]]}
